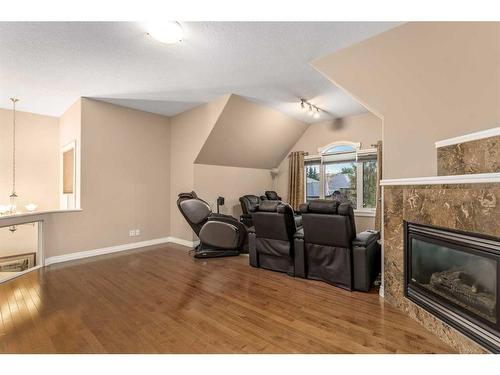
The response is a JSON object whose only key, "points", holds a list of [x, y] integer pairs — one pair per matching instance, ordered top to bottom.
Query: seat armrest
{"points": [[215, 215], [223, 218], [298, 221], [299, 234], [365, 238], [299, 254], [253, 257], [366, 259]]}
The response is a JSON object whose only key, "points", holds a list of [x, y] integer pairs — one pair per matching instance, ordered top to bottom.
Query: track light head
{"points": [[316, 114]]}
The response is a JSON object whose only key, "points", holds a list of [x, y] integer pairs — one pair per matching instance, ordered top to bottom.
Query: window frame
{"points": [[358, 156]]}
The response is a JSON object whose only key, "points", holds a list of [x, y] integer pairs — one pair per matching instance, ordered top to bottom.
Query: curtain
{"points": [[296, 179], [378, 207]]}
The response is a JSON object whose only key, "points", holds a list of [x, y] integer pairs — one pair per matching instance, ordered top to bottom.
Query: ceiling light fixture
{"points": [[165, 32], [302, 105], [312, 110], [316, 114]]}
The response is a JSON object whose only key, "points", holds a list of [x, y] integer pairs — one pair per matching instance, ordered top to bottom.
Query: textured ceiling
{"points": [[49, 65]]}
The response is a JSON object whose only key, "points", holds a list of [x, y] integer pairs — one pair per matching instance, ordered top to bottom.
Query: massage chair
{"points": [[220, 235], [327, 247]]}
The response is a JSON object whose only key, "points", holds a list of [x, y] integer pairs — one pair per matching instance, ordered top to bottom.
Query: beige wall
{"points": [[428, 81], [365, 128], [189, 131], [250, 135], [37, 159], [125, 181], [211, 181]]}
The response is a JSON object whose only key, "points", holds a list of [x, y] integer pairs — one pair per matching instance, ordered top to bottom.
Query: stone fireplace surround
{"points": [[466, 202]]}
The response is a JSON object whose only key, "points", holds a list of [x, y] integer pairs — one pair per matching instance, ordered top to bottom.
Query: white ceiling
{"points": [[49, 65]]}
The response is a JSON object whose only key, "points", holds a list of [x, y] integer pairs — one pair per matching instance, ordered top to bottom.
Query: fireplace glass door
{"points": [[455, 276], [464, 279]]}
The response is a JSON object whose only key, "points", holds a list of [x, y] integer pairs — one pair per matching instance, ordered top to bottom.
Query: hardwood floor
{"points": [[161, 300]]}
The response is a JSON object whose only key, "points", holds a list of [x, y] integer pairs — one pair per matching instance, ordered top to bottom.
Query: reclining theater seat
{"points": [[248, 203], [220, 235], [271, 238], [328, 249]]}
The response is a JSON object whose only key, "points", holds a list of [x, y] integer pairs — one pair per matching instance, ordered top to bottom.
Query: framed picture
{"points": [[17, 263]]}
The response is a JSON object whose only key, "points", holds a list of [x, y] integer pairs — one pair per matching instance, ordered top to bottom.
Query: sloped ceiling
{"points": [[250, 135]]}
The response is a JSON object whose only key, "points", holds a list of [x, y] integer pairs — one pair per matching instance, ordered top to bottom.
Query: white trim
{"points": [[469, 137], [356, 145], [478, 178], [63, 198], [37, 213], [365, 213], [180, 241], [115, 249], [17, 274]]}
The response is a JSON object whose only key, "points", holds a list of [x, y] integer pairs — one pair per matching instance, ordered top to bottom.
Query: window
{"points": [[343, 171], [312, 181]]}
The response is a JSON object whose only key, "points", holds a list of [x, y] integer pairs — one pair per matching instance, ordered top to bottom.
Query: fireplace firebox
{"points": [[455, 276]]}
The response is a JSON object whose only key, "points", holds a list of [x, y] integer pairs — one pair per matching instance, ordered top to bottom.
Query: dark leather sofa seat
{"points": [[271, 243], [328, 249]]}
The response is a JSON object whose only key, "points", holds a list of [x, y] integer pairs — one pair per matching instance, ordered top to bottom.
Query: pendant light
{"points": [[13, 195]]}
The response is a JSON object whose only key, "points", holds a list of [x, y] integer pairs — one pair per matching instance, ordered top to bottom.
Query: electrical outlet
{"points": [[137, 232], [131, 233]]}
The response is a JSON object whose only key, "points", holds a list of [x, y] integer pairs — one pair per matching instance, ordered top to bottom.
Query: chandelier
{"points": [[11, 208]]}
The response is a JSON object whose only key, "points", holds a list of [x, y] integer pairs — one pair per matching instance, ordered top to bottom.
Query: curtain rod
{"points": [[303, 153]]}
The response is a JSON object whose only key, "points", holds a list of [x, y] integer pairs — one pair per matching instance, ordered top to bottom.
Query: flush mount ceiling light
{"points": [[165, 32], [311, 110]]}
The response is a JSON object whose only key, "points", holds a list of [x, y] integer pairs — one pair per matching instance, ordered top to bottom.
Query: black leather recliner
{"points": [[248, 203], [220, 235], [271, 239], [328, 249]]}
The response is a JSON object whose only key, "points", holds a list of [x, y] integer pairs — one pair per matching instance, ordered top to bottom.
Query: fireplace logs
{"points": [[462, 289]]}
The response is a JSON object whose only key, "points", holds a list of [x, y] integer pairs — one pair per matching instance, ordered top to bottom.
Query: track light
{"points": [[302, 105], [311, 110], [316, 114]]}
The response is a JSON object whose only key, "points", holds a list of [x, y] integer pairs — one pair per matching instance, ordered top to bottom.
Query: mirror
{"points": [[19, 249]]}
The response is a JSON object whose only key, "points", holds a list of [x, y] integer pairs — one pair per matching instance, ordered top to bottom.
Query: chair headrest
{"points": [[191, 195], [272, 195], [252, 198], [268, 206], [320, 206], [345, 209]]}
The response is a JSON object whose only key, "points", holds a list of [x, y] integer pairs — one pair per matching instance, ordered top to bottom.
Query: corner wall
{"points": [[189, 131], [125, 181]]}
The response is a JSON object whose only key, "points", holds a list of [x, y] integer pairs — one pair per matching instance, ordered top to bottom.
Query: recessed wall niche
{"points": [[20, 249]]}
